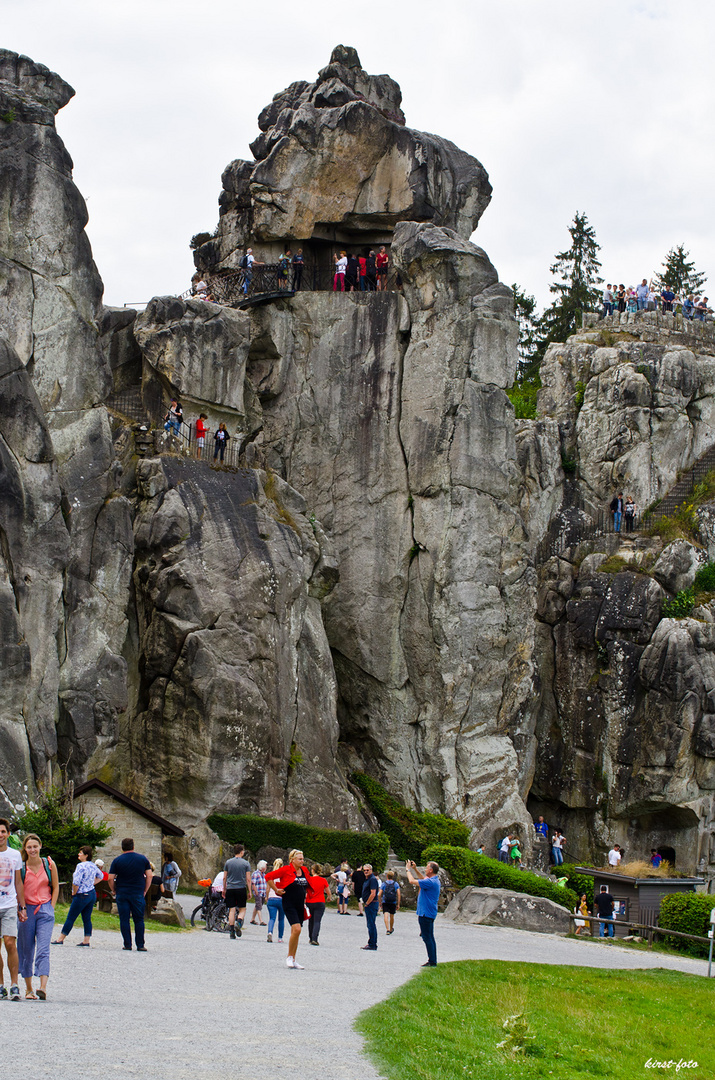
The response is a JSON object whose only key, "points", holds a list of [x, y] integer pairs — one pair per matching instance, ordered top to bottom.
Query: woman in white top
{"points": [[341, 265], [557, 842], [86, 875]]}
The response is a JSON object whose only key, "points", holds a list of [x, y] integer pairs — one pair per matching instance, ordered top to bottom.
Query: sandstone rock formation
{"points": [[334, 163], [501, 907]]}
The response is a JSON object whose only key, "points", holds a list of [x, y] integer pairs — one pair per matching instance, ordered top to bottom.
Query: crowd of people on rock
{"points": [[363, 273], [648, 297], [174, 418]]}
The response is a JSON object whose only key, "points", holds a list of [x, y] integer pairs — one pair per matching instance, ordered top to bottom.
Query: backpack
{"points": [[244, 263], [45, 863], [389, 892]]}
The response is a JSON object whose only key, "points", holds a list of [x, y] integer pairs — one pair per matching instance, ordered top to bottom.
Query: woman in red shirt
{"points": [[201, 430], [291, 882], [315, 902]]}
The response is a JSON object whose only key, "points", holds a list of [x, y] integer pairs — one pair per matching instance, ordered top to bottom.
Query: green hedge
{"points": [[410, 832], [319, 845], [467, 868], [580, 883], [688, 913]]}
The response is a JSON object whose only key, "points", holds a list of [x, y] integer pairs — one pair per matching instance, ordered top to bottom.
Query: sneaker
{"points": [[360, 915], [238, 930], [232, 934], [270, 937], [315, 943], [126, 948], [140, 948], [369, 948], [290, 962], [428, 964], [297, 966], [3, 993], [14, 993]]}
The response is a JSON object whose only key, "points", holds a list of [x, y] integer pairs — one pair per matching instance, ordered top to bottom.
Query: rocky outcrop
{"points": [[334, 162], [501, 907]]}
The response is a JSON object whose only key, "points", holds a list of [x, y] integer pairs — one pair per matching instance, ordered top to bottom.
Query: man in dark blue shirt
{"points": [[541, 827], [130, 880], [370, 902]]}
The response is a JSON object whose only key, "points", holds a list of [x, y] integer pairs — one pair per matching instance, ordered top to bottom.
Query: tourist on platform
{"points": [[382, 261], [247, 263], [284, 264], [298, 264], [362, 264], [341, 265], [371, 271], [352, 273], [642, 295], [667, 297], [621, 298], [607, 301], [631, 301], [652, 303], [688, 307], [702, 309], [174, 417], [201, 430], [221, 438], [616, 508], [629, 513], [541, 827], [504, 847], [557, 847], [614, 856], [655, 859], [170, 874], [86, 876], [130, 880], [291, 882], [258, 884], [42, 886], [237, 889], [317, 896], [389, 897], [427, 901], [371, 904], [275, 906], [12, 909]]}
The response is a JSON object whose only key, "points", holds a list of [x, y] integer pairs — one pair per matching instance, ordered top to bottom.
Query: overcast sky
{"points": [[570, 105]]}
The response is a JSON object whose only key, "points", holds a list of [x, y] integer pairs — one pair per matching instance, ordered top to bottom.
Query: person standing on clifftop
{"points": [[381, 261], [298, 264], [341, 265], [616, 508], [541, 827]]}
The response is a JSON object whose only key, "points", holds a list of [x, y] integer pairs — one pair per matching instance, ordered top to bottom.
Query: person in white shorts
{"points": [[12, 908]]}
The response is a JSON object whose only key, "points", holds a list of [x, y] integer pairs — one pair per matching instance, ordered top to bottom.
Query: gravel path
{"points": [[199, 1004]]}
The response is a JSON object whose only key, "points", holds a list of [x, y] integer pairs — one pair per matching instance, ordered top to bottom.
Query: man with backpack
{"points": [[389, 897], [12, 908]]}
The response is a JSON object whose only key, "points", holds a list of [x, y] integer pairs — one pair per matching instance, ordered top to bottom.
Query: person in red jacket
{"points": [[201, 430], [291, 883]]}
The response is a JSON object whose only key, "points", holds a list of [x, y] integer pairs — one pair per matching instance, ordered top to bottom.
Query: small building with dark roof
{"points": [[126, 817], [637, 899]]}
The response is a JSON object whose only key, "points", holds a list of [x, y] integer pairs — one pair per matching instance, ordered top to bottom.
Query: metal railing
{"points": [[236, 288], [185, 442], [579, 520], [651, 930]]}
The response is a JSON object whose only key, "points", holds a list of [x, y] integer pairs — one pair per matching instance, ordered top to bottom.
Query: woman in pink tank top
{"points": [[42, 888]]}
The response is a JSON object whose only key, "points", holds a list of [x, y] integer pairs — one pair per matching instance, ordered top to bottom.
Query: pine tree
{"points": [[680, 275], [576, 287], [524, 308]]}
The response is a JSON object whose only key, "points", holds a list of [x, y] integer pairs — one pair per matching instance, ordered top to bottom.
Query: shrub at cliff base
{"points": [[409, 830], [61, 831], [319, 845], [465, 867], [580, 883], [688, 913], [497, 1020]]}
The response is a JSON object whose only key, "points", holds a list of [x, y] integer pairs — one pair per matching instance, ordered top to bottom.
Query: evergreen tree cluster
{"points": [[577, 287]]}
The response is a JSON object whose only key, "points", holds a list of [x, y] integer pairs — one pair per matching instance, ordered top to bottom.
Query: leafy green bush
{"points": [[579, 395], [523, 396], [705, 578], [680, 606], [61, 831], [409, 831], [320, 845], [467, 868], [580, 883], [688, 913]]}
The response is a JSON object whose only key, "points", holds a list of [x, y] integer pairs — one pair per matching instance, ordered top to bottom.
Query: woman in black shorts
{"points": [[291, 882]]}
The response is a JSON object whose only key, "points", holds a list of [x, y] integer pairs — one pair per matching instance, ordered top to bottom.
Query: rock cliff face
{"points": [[371, 587]]}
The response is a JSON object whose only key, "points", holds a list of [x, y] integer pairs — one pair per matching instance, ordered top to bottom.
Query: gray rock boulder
{"points": [[677, 565], [501, 907]]}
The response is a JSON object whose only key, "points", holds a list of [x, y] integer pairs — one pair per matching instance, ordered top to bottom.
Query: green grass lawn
{"points": [[102, 921], [584, 1022]]}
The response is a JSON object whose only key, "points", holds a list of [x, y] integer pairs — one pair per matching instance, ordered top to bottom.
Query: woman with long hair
{"points": [[86, 875], [291, 882], [42, 887], [318, 893], [274, 903], [582, 910]]}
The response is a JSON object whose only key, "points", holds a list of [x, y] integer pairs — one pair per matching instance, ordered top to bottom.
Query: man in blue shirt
{"points": [[541, 827], [130, 880], [429, 887], [369, 898]]}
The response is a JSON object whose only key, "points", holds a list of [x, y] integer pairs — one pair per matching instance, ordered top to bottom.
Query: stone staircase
{"points": [[684, 486]]}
